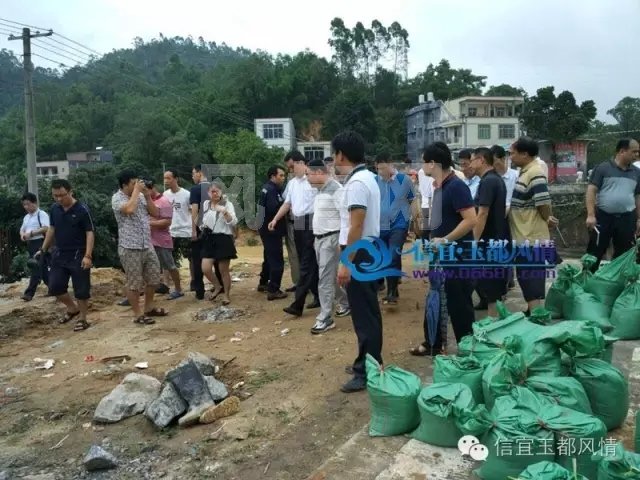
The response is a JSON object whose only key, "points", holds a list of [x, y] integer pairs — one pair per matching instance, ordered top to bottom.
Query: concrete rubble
{"points": [[218, 314], [129, 398], [99, 459]]}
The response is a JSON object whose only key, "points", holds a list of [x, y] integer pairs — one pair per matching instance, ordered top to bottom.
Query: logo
{"points": [[240, 188], [377, 266], [470, 445]]}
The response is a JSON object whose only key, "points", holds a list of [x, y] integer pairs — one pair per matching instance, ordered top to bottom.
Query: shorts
{"points": [[218, 246], [181, 249], [165, 257], [65, 265], [141, 268]]}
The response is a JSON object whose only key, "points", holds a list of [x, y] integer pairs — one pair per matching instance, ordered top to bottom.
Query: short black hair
{"points": [[623, 144], [351, 145], [526, 145], [498, 152], [439, 153], [485, 153], [465, 154], [295, 155], [383, 157], [328, 160], [317, 165], [197, 167], [273, 171], [173, 172], [126, 176], [60, 183], [29, 197]]}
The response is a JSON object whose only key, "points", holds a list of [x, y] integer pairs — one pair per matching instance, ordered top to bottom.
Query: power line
{"points": [[23, 24], [15, 29], [7, 32], [52, 39], [77, 43], [39, 44], [57, 62]]}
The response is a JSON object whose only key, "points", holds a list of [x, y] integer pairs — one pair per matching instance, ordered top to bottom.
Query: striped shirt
{"points": [[531, 191]]}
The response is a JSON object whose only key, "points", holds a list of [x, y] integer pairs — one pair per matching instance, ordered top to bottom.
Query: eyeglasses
{"points": [[60, 195]]}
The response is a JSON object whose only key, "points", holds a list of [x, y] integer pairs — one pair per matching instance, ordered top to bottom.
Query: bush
{"points": [[19, 267]]}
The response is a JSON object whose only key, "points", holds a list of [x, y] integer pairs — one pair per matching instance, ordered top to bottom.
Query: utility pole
{"points": [[29, 117]]}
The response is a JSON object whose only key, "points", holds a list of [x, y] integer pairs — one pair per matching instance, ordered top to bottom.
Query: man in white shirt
{"points": [[509, 175], [470, 178], [425, 186], [299, 199], [362, 202], [34, 227], [180, 228], [326, 229], [289, 239]]}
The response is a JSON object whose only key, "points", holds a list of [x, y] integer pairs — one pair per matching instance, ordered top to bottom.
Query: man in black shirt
{"points": [[491, 225], [72, 232], [273, 263]]}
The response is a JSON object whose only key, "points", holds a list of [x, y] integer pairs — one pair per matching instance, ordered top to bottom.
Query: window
{"points": [[472, 111], [501, 112], [272, 130], [484, 132], [506, 132], [314, 153]]}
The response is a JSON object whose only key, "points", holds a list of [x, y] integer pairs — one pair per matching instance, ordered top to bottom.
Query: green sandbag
{"points": [[584, 275], [609, 281], [554, 300], [581, 305], [503, 311], [540, 315], [625, 315], [576, 337], [482, 349], [465, 370], [501, 374], [606, 387], [564, 391], [392, 398], [439, 405], [510, 428], [574, 430], [618, 465], [548, 471]]}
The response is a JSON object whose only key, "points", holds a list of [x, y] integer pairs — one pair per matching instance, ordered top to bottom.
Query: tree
{"points": [[342, 43], [504, 90], [351, 110], [627, 114], [556, 119]]}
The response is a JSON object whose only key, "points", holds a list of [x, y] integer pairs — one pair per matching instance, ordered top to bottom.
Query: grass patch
{"points": [[257, 381]]}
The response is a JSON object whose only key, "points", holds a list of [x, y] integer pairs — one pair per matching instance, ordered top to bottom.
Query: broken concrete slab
{"points": [[218, 314], [204, 364], [193, 388], [217, 389], [131, 397], [168, 406], [99, 459]]}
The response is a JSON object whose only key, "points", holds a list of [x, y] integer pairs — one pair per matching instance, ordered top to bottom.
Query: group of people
{"points": [[323, 208]]}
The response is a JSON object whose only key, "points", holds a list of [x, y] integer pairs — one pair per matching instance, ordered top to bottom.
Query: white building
{"points": [[472, 122], [276, 132], [315, 150], [53, 169]]}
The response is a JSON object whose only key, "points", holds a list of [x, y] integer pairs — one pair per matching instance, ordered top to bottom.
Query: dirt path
{"points": [[294, 418]]}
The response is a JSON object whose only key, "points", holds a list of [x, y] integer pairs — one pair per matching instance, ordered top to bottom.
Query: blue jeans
{"points": [[394, 239]]}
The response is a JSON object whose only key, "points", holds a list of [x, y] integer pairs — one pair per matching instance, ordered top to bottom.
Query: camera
{"points": [[148, 183]]}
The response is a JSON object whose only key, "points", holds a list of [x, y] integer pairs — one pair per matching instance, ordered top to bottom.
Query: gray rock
{"points": [[219, 314], [56, 344], [202, 362], [217, 389], [131, 397], [166, 407], [99, 459], [4, 476]]}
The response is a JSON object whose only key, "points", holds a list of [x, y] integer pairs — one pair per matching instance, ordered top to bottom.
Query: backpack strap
{"points": [[38, 216]]}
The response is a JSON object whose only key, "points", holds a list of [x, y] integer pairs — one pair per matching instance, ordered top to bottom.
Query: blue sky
{"points": [[586, 46]]}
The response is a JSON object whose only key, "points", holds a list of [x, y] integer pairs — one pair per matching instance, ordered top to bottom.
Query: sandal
{"points": [[216, 294], [226, 301], [156, 312], [69, 316], [144, 320], [81, 325]]}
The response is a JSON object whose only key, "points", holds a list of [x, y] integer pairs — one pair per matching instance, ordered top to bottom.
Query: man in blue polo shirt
{"points": [[396, 195], [453, 217], [71, 229]]}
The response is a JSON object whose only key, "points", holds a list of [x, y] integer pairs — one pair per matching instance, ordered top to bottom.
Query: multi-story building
{"points": [[465, 122], [276, 132], [313, 150], [93, 157], [52, 169]]}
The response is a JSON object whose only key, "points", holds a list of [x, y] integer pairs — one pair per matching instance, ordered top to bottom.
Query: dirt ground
{"points": [[292, 415]]}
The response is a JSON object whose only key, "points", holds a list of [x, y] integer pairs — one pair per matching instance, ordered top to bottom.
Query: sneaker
{"points": [[262, 288], [175, 295], [278, 295], [26, 298], [291, 310], [343, 312], [322, 326], [348, 369], [356, 384]]}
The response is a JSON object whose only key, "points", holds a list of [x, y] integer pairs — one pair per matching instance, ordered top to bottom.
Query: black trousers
{"points": [[621, 228], [273, 261], [196, 268], [40, 273], [308, 278], [460, 305], [367, 321]]}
